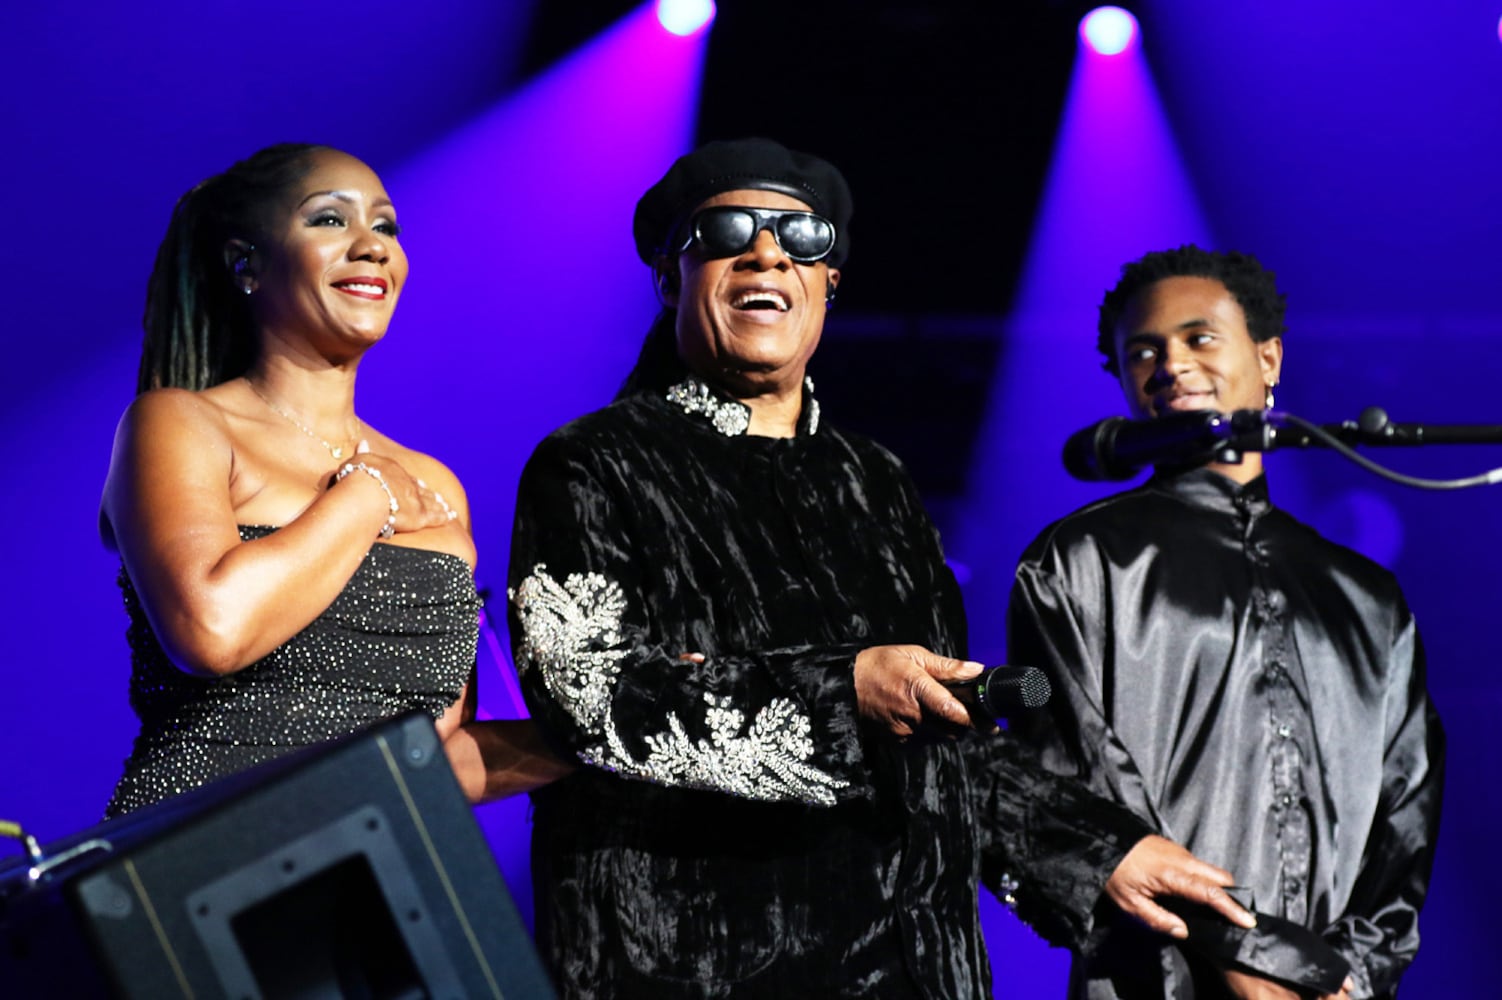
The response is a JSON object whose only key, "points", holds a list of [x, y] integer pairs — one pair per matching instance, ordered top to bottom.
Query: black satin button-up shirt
{"points": [[1253, 690]]}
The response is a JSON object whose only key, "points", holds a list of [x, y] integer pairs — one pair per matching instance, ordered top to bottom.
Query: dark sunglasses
{"points": [[728, 230]]}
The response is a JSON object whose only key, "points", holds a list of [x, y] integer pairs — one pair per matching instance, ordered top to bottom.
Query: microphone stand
{"points": [[1268, 430]]}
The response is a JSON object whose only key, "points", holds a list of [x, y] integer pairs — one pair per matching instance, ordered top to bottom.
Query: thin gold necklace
{"points": [[337, 452]]}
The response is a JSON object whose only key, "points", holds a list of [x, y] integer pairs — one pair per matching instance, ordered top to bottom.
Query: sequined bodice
{"points": [[400, 636]]}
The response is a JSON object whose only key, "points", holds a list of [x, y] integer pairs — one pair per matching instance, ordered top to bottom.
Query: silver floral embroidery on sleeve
{"points": [[571, 632]]}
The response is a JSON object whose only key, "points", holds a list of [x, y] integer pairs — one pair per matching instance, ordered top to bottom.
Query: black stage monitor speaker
{"points": [[354, 869]]}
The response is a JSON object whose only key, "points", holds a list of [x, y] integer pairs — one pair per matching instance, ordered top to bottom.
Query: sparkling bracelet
{"points": [[389, 528]]}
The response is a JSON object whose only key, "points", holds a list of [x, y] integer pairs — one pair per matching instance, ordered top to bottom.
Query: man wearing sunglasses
{"points": [[739, 619]]}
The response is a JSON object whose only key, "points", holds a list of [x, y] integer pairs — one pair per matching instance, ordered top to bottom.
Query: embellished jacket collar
{"points": [[731, 417]]}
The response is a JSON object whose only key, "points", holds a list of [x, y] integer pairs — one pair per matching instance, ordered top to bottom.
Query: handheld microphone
{"points": [[1118, 448], [1003, 691]]}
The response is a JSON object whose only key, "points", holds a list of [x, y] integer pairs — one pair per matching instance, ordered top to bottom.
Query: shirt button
{"points": [[1285, 731]]}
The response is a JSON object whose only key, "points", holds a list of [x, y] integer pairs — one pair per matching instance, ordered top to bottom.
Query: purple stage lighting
{"points": [[684, 17], [1108, 31], [531, 166], [1116, 188]]}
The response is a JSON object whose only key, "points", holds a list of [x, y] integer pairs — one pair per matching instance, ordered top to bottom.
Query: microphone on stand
{"points": [[1118, 448]]}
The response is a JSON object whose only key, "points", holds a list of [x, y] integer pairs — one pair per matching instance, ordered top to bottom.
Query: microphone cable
{"points": [[1334, 443]]}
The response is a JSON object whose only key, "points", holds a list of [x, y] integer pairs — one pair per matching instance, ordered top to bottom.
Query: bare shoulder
{"points": [[172, 413], [166, 430], [168, 441], [430, 470], [434, 472]]}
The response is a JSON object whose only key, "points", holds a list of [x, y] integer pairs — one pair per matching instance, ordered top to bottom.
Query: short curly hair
{"points": [[1250, 284]]}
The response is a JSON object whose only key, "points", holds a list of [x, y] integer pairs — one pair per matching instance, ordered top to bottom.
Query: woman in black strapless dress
{"points": [[290, 572]]}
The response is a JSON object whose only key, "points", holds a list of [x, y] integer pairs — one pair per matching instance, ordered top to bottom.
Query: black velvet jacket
{"points": [[1257, 693], [739, 832]]}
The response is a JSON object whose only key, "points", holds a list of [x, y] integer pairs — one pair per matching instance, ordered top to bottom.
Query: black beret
{"points": [[731, 165]]}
